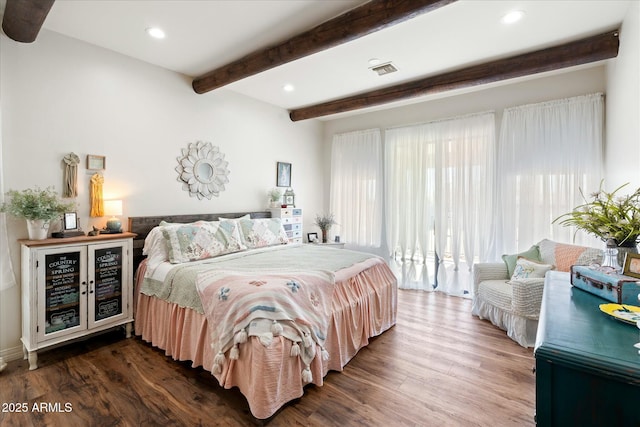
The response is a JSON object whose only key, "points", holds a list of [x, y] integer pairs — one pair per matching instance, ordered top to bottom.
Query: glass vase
{"points": [[614, 255]]}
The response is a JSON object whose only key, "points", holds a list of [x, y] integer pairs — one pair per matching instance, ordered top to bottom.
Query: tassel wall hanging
{"points": [[70, 186], [97, 202]]}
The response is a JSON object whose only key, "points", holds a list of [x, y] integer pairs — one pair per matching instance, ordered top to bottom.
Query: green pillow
{"points": [[533, 254]]}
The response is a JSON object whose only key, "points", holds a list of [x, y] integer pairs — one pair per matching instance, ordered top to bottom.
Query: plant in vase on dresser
{"points": [[274, 197], [38, 207], [611, 217]]}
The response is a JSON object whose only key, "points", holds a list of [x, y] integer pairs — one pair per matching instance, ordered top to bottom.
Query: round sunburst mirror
{"points": [[202, 170]]}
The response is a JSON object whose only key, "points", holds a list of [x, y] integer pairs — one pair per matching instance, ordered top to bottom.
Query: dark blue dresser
{"points": [[587, 369]]}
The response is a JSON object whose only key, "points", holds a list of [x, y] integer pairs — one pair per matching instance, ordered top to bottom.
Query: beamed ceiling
{"points": [[323, 48]]}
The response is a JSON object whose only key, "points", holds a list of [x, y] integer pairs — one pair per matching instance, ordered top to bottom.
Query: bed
{"points": [[263, 315]]}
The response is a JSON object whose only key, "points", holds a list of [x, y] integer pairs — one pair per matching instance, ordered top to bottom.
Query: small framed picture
{"points": [[96, 163], [283, 177], [70, 221], [312, 237], [632, 265]]}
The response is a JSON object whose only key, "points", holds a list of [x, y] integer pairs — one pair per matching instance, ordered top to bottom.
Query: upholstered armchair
{"points": [[513, 303]]}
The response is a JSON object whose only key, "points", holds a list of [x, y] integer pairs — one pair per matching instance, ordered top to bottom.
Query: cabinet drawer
{"points": [[296, 212], [286, 221], [297, 226], [297, 233]]}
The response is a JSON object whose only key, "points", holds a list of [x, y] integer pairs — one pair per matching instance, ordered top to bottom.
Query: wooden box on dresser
{"points": [[291, 220], [73, 287]]}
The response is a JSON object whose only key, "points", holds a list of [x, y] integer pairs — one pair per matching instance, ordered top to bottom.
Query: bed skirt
{"points": [[364, 305]]}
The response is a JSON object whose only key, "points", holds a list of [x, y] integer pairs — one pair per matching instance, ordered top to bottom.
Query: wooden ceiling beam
{"points": [[371, 17], [23, 18], [584, 51]]}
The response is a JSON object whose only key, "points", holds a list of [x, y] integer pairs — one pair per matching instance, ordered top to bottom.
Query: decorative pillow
{"points": [[236, 220], [262, 232], [201, 240], [533, 253], [563, 255], [527, 269]]}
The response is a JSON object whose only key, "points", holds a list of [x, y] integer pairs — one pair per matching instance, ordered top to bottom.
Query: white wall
{"points": [[60, 95], [622, 153]]}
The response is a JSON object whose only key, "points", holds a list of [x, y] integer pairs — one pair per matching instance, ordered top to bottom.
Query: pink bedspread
{"points": [[363, 305]]}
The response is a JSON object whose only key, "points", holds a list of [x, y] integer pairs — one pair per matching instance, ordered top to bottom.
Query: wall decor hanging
{"points": [[202, 170], [70, 185], [97, 201]]}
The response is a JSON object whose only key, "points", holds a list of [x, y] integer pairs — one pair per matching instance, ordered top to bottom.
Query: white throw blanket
{"points": [[293, 304]]}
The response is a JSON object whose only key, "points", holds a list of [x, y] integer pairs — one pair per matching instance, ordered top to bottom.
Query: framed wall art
{"points": [[96, 163], [283, 177]]}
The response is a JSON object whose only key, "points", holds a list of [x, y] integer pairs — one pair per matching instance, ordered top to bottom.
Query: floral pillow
{"points": [[262, 232], [201, 240], [527, 269]]}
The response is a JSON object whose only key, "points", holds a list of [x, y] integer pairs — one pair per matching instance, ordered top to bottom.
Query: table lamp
{"points": [[113, 208]]}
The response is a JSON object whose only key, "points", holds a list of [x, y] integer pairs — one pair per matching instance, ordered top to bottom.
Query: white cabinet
{"points": [[292, 222], [73, 287]]}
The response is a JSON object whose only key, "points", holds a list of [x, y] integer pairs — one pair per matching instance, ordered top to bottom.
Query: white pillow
{"points": [[155, 248], [527, 269]]}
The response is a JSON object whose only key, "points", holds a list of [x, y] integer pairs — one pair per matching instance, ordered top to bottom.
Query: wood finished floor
{"points": [[439, 366]]}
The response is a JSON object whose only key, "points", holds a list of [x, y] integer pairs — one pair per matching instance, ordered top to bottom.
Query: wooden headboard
{"points": [[142, 225]]}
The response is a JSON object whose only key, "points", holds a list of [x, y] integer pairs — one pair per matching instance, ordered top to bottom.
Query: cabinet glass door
{"points": [[108, 272], [62, 287]]}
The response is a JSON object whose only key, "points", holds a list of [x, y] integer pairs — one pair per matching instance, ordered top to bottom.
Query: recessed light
{"points": [[512, 17], [156, 32], [374, 61], [288, 87]]}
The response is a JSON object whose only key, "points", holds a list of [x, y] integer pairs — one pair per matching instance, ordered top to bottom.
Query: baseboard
{"points": [[13, 353]]}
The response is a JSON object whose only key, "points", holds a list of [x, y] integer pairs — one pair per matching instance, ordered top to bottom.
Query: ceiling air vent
{"points": [[385, 68]]}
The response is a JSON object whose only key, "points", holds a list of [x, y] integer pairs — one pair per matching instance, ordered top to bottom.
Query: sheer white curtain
{"points": [[547, 153], [356, 187], [438, 194], [7, 278]]}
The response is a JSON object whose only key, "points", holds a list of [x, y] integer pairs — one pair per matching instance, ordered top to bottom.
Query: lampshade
{"points": [[113, 208]]}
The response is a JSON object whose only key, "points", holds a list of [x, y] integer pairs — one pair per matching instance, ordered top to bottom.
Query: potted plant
{"points": [[274, 197], [38, 207], [613, 218], [324, 222]]}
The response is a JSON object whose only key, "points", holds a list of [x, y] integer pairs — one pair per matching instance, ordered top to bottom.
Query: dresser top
{"points": [[76, 239], [573, 331]]}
